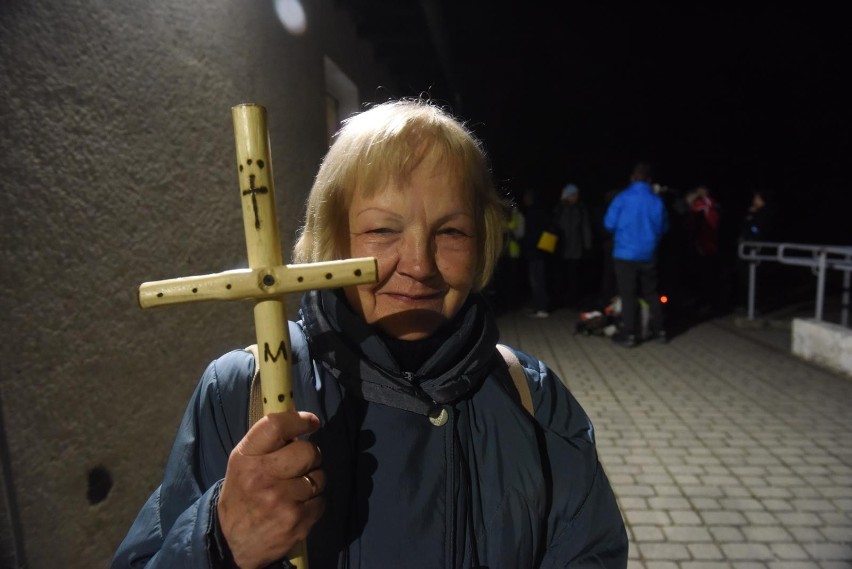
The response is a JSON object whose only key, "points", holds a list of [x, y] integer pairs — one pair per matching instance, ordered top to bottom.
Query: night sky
{"points": [[739, 98]]}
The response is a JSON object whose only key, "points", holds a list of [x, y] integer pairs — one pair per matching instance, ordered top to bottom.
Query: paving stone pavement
{"points": [[724, 450]]}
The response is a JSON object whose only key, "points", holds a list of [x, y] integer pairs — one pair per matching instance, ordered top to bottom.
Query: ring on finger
{"points": [[313, 484]]}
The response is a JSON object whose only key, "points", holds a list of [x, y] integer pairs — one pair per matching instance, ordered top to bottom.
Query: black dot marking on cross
{"points": [[248, 161], [260, 164], [241, 167], [357, 272], [328, 276], [301, 279], [269, 280], [228, 286], [194, 290], [159, 295], [280, 397], [264, 400]]}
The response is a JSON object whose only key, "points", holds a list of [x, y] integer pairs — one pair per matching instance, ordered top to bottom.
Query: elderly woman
{"points": [[429, 458]]}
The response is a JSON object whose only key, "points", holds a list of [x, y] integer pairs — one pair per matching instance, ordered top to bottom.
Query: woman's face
{"points": [[423, 235]]}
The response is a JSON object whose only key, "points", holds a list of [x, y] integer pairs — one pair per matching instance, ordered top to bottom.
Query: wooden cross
{"points": [[267, 279]]}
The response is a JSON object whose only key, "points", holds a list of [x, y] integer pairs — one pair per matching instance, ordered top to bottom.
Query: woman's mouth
{"points": [[415, 298]]}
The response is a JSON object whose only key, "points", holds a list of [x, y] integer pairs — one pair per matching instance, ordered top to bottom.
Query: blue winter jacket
{"points": [[638, 219], [492, 487]]}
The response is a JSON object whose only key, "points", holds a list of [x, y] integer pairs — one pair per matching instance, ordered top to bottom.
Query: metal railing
{"points": [[820, 258]]}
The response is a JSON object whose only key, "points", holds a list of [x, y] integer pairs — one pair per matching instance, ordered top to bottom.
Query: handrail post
{"points": [[752, 284], [820, 284], [844, 297]]}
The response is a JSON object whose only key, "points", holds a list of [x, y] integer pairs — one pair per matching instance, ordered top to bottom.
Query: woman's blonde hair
{"points": [[386, 143]]}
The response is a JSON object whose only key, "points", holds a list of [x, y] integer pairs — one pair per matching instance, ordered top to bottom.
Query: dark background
{"points": [[752, 95]]}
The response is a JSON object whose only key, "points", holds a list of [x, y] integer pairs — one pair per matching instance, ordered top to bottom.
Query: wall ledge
{"points": [[823, 343]]}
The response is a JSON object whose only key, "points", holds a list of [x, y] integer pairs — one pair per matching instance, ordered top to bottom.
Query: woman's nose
{"points": [[417, 257]]}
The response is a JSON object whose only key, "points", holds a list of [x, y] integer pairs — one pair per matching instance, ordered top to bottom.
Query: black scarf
{"points": [[359, 358]]}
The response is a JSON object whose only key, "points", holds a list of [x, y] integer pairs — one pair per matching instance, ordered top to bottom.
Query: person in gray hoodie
{"points": [[575, 243]]}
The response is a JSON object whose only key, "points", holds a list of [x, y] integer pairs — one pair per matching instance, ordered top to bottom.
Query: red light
{"points": [[664, 299]]}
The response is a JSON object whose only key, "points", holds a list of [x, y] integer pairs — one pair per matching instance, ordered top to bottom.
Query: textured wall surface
{"points": [[117, 167], [823, 343]]}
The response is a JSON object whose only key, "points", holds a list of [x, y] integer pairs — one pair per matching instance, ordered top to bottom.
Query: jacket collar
{"points": [[355, 354]]}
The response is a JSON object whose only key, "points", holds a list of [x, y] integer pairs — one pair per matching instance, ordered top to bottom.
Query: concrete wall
{"points": [[117, 167], [823, 343]]}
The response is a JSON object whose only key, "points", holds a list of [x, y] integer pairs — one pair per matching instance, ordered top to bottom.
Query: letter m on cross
{"points": [[282, 352]]}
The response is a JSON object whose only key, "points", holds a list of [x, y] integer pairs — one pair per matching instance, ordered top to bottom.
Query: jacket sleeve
{"points": [[176, 526], [585, 527]]}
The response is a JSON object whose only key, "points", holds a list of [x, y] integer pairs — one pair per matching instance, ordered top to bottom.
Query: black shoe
{"points": [[625, 340]]}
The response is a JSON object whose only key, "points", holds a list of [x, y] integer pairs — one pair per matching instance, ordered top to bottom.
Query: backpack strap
{"points": [[516, 370], [519, 378], [255, 411]]}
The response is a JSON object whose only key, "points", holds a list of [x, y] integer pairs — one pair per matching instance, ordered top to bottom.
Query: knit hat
{"points": [[569, 191]]}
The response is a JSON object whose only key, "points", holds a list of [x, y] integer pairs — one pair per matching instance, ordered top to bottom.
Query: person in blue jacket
{"points": [[637, 218], [428, 456]]}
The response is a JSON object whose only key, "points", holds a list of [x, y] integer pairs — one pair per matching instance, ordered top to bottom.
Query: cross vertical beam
{"points": [[254, 168], [266, 280]]}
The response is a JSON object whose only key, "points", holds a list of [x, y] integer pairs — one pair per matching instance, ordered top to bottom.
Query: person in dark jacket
{"points": [[637, 218], [537, 219], [759, 221], [760, 224], [575, 242], [429, 457]]}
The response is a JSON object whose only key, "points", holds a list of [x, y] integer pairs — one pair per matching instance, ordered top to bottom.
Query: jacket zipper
{"points": [[449, 438]]}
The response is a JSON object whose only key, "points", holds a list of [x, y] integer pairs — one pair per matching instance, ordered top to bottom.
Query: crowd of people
{"points": [[647, 242]]}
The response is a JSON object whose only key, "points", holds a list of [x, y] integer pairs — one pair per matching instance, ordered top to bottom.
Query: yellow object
{"points": [[547, 241]]}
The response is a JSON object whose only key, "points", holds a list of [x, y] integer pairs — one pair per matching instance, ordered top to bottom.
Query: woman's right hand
{"points": [[268, 502]]}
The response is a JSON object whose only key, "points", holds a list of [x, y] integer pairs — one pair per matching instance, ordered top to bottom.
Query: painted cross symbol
{"points": [[254, 191]]}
